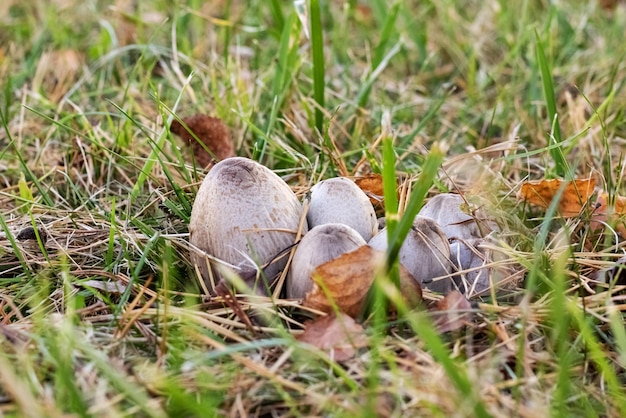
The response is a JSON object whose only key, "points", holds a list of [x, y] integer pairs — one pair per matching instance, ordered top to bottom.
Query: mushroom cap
{"points": [[340, 200], [447, 209], [244, 215], [321, 244], [425, 253]]}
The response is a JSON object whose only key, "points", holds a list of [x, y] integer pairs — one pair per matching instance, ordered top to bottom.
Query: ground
{"points": [[102, 312]]}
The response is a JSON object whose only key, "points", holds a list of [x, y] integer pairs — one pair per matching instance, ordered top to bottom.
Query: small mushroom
{"points": [[340, 200], [452, 213], [244, 215], [321, 244], [425, 253], [466, 256], [474, 262]]}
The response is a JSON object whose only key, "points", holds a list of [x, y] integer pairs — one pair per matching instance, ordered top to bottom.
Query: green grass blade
{"points": [[277, 14], [388, 33], [285, 71], [319, 72], [364, 92], [160, 141], [560, 162], [420, 189], [391, 201], [423, 327], [597, 354]]}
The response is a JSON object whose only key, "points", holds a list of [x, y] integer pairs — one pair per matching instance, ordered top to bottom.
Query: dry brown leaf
{"points": [[610, 4], [211, 131], [372, 185], [574, 197], [605, 213], [347, 279], [450, 312], [340, 336]]}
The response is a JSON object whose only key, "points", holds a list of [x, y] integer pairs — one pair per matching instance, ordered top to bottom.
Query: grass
{"points": [[508, 94]]}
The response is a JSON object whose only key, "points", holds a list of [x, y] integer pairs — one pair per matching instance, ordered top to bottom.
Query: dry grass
{"points": [[101, 312]]}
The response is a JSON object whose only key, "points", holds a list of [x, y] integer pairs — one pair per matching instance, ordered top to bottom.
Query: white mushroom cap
{"points": [[340, 200], [448, 210], [244, 215], [321, 244], [425, 253]]}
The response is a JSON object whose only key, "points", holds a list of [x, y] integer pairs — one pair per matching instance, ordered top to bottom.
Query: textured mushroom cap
{"points": [[340, 200], [447, 210], [244, 215], [321, 244], [425, 253]]}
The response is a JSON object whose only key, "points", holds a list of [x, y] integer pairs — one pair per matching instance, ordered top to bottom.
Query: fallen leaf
{"points": [[610, 4], [212, 133], [372, 185], [574, 197], [605, 213], [346, 280], [451, 312], [340, 336]]}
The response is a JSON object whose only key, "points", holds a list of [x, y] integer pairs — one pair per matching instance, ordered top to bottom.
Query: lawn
{"points": [[102, 312]]}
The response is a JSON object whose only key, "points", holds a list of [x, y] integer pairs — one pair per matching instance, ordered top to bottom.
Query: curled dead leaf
{"points": [[213, 134], [372, 185], [575, 195], [605, 212], [346, 280], [451, 312], [339, 335]]}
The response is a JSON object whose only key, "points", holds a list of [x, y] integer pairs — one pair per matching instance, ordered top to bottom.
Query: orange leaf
{"points": [[372, 185], [574, 197], [606, 213], [345, 281], [338, 335]]}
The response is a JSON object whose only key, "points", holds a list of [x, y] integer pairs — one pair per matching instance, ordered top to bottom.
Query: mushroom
{"points": [[340, 200], [450, 211], [244, 215], [321, 244], [425, 253], [466, 256], [474, 262]]}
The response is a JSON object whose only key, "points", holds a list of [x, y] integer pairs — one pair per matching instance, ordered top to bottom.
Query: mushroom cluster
{"points": [[246, 219]]}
